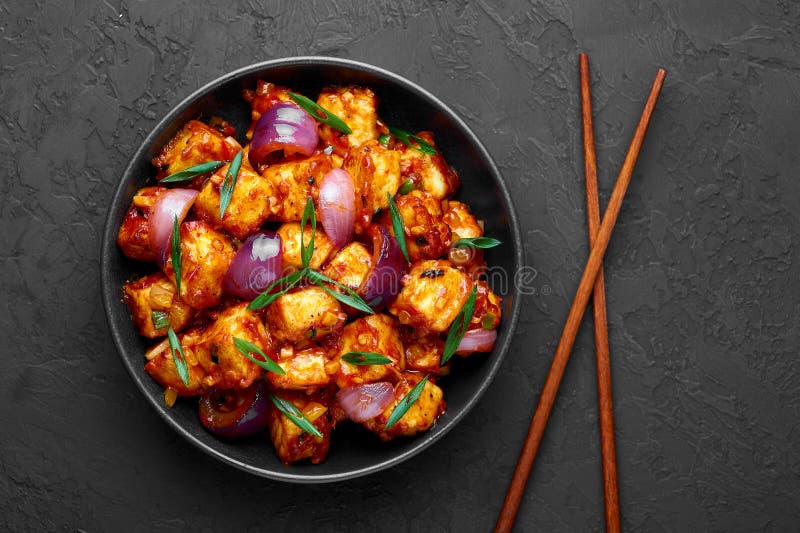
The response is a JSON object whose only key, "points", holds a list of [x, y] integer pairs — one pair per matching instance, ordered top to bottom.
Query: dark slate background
{"points": [[701, 271]]}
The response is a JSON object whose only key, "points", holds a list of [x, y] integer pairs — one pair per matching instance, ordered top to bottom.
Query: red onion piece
{"points": [[284, 126], [171, 204], [337, 206], [256, 264], [383, 283], [477, 340], [362, 402], [235, 412]]}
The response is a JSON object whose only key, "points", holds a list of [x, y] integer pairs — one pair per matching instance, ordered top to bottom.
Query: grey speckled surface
{"points": [[701, 272]]}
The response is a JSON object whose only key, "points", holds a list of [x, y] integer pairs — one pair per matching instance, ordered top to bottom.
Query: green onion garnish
{"points": [[320, 113], [384, 139], [414, 141], [192, 172], [226, 191], [397, 225], [477, 242], [307, 252], [266, 297], [351, 298], [160, 319], [459, 326], [247, 348], [366, 358], [180, 362], [406, 403], [294, 414]]}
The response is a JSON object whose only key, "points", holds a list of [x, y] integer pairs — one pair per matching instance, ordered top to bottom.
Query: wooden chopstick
{"points": [[550, 389], [604, 401]]}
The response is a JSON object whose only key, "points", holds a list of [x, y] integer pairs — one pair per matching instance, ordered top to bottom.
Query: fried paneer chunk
{"points": [[264, 97], [358, 108], [195, 143], [431, 173], [376, 174], [293, 182], [253, 201], [462, 223], [134, 235], [427, 235], [290, 243], [205, 256], [350, 266], [155, 293], [432, 295], [487, 308], [308, 313], [374, 333], [424, 352], [226, 366], [162, 369], [304, 369], [419, 417], [293, 444]]}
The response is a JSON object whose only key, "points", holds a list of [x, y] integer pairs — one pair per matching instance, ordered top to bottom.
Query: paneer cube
{"points": [[264, 97], [358, 108], [195, 143], [431, 173], [376, 174], [294, 181], [253, 201], [462, 223], [134, 235], [427, 235], [290, 242], [205, 256], [350, 266], [155, 293], [433, 293], [487, 308], [308, 313], [374, 333], [424, 352], [161, 366], [227, 367], [305, 369], [419, 417], [292, 443]]}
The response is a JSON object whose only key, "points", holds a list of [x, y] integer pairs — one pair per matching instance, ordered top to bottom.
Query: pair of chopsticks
{"points": [[592, 283]]}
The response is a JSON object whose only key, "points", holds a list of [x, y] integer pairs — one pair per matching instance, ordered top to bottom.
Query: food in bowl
{"points": [[315, 273]]}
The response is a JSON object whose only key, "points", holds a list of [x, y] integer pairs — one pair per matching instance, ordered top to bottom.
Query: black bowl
{"points": [[354, 452]]}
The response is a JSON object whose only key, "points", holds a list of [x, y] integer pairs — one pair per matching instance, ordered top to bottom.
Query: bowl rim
{"points": [[109, 248]]}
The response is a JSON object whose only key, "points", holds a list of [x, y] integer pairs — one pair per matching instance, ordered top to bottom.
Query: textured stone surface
{"points": [[703, 301]]}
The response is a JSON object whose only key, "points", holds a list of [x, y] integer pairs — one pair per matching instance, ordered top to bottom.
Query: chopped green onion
{"points": [[320, 113], [384, 139], [414, 141], [192, 172], [406, 187], [226, 191], [397, 225], [477, 242], [307, 252], [176, 253], [266, 297], [351, 298], [160, 319], [487, 322], [459, 326], [247, 348], [366, 358], [180, 362], [406, 403], [294, 414]]}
